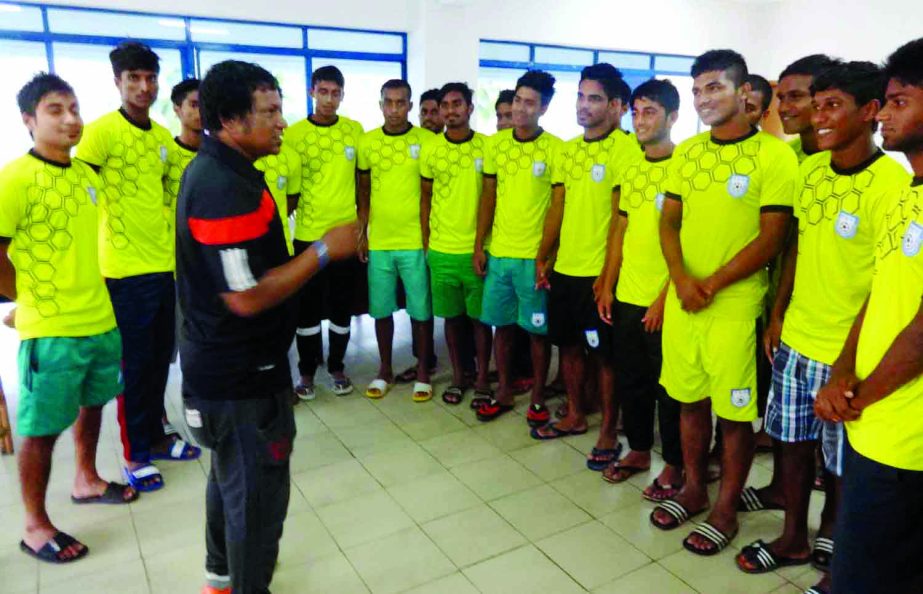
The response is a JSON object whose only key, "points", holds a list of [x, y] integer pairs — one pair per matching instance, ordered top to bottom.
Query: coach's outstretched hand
{"points": [[342, 242]]}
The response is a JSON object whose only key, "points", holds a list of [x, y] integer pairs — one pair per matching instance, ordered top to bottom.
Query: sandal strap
{"points": [[422, 387], [178, 450], [145, 472], [751, 499], [676, 510], [712, 534], [824, 545], [760, 554]]}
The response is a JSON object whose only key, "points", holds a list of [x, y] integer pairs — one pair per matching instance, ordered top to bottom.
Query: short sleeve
{"points": [[94, 145], [363, 150], [490, 155], [621, 159], [426, 167], [557, 168], [294, 174], [779, 175], [673, 186], [12, 201]]}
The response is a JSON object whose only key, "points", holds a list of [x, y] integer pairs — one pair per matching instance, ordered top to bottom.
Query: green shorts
{"points": [[385, 267], [457, 290], [510, 296], [708, 357], [59, 375]]}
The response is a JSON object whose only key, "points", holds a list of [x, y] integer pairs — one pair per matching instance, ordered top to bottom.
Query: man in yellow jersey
{"points": [[185, 98], [758, 100], [430, 117], [326, 142], [131, 153], [451, 167], [283, 178], [587, 178], [517, 191], [840, 203], [727, 209], [390, 236], [636, 270], [69, 357], [876, 385]]}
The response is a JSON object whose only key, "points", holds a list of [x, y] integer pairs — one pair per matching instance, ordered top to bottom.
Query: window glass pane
{"points": [[21, 18], [93, 22], [245, 34], [352, 41], [505, 52], [557, 55], [21, 60], [623, 60], [673, 64], [86, 67], [288, 69], [490, 82], [363, 87], [561, 117], [688, 123]]}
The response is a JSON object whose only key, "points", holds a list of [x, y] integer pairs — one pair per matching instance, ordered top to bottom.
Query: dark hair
{"points": [[133, 55], [725, 60], [906, 64], [808, 66], [329, 74], [611, 80], [539, 81], [864, 81], [397, 83], [760, 85], [456, 87], [182, 89], [227, 91], [659, 91], [31, 94], [430, 95], [505, 96]]}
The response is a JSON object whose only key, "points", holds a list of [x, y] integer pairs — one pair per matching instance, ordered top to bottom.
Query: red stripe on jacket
{"points": [[235, 229]]}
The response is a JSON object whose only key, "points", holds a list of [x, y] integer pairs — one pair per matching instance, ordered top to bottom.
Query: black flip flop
{"points": [[453, 395], [556, 432], [113, 495], [750, 501], [679, 512], [718, 539], [52, 549], [822, 554], [763, 560]]}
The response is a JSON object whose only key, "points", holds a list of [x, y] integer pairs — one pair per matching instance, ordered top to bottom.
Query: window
{"points": [[75, 42], [502, 62]]}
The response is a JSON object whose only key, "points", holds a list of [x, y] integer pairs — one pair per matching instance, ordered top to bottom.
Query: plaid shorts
{"points": [[790, 417]]}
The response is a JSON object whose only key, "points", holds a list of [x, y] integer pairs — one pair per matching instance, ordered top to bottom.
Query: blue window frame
{"points": [[501, 62]]}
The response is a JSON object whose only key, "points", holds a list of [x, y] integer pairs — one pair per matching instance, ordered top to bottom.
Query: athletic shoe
{"points": [[305, 392]]}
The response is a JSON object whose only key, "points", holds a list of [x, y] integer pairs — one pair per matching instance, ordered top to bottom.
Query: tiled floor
{"points": [[392, 496]]}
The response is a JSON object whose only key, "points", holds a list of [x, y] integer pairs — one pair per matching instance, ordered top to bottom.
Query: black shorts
{"points": [[572, 315]]}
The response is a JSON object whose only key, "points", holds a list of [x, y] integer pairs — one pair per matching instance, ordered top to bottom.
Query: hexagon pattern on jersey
{"points": [[318, 148], [134, 153], [388, 153], [512, 156], [580, 158], [177, 161], [448, 161], [707, 163], [275, 166], [643, 181], [825, 193], [53, 199], [908, 208]]}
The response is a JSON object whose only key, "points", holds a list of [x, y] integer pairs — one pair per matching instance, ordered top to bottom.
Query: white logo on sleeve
{"points": [[414, 151], [350, 152], [163, 153], [479, 164], [538, 168], [598, 172], [280, 183], [738, 185], [658, 201], [847, 225], [913, 237], [236, 267], [538, 319], [592, 338], [741, 397]]}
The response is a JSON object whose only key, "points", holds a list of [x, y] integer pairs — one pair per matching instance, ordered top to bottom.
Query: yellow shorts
{"points": [[708, 357]]}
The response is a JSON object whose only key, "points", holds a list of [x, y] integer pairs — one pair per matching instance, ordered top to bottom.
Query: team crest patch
{"points": [[414, 151], [350, 152], [163, 153], [479, 164], [538, 168], [598, 172], [280, 183], [738, 185], [92, 192], [658, 201], [847, 225], [912, 239], [538, 319], [592, 338], [740, 398]]}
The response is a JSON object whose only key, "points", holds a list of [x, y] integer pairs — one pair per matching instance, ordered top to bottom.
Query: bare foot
{"points": [[35, 538]]}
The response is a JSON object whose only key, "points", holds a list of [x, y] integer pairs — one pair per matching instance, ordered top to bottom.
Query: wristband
{"points": [[323, 257]]}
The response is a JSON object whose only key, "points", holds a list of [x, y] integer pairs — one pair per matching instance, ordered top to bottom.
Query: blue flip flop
{"points": [[181, 451], [145, 479]]}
